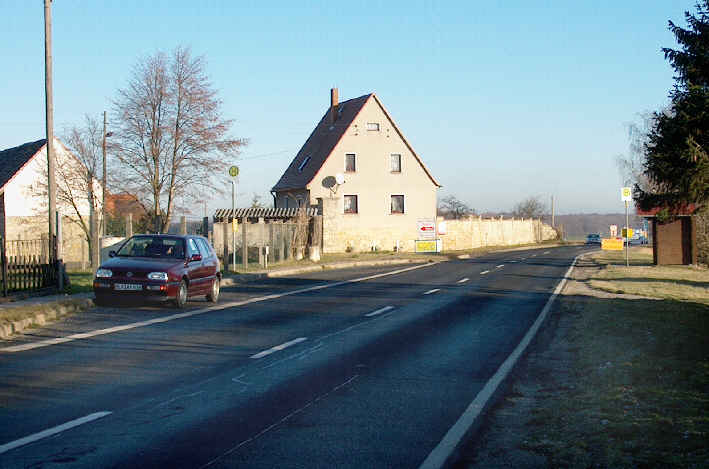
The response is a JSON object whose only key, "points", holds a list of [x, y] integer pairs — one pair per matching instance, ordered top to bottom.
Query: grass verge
{"points": [[80, 282], [682, 283], [640, 373]]}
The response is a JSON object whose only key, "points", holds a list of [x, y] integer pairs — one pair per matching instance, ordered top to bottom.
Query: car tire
{"points": [[213, 295], [181, 297], [100, 300]]}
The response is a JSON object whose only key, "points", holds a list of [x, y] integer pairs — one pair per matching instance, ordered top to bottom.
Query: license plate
{"points": [[128, 286]]}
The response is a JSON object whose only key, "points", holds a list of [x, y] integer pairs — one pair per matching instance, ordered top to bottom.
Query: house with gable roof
{"points": [[367, 181], [23, 211]]}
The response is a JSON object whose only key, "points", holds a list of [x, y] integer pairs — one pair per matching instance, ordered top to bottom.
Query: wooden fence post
{"points": [[225, 243], [244, 244], [60, 277]]}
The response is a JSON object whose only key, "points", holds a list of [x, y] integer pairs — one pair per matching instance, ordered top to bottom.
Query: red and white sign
{"points": [[426, 229]]}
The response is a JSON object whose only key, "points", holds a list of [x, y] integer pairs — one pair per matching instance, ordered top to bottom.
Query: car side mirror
{"points": [[111, 253], [196, 257]]}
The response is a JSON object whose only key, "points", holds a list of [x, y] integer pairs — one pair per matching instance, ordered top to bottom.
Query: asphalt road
{"points": [[365, 367]]}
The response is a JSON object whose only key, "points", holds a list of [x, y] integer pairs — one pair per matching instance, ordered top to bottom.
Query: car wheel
{"points": [[213, 295], [181, 297], [100, 300]]}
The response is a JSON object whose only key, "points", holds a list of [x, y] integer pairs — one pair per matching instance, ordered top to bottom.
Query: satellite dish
{"points": [[340, 178], [329, 182]]}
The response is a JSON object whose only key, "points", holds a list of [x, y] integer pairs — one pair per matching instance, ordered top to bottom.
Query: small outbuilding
{"points": [[674, 240]]}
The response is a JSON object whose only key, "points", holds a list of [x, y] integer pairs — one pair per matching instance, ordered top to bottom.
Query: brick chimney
{"points": [[333, 105]]}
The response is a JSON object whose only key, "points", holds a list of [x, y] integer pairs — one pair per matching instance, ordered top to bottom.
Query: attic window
{"points": [[373, 126], [302, 165]]}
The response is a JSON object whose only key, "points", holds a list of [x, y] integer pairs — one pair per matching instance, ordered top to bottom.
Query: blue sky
{"points": [[502, 100]]}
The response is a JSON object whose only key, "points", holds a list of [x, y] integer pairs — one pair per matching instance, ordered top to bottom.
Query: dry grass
{"points": [[682, 283], [633, 390]]}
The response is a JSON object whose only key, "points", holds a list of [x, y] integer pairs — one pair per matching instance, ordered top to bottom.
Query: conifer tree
{"points": [[676, 153]]}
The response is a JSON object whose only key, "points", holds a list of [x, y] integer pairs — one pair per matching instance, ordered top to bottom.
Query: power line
{"points": [[266, 155]]}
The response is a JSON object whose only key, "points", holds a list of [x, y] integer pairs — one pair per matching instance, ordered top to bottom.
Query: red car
{"points": [[159, 267]]}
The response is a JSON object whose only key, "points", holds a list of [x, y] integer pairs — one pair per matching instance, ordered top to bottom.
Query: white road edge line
{"points": [[500, 266], [484, 272], [463, 280], [432, 291], [379, 311], [196, 312], [278, 348], [51, 431], [447, 446]]}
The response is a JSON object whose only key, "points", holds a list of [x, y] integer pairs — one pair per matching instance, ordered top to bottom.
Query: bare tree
{"points": [[170, 137], [631, 167], [77, 182], [256, 201], [531, 207], [452, 208]]}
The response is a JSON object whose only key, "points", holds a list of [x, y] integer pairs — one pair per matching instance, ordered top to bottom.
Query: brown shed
{"points": [[674, 242]]}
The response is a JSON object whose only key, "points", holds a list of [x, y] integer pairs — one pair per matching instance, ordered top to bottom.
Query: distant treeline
{"points": [[578, 226]]}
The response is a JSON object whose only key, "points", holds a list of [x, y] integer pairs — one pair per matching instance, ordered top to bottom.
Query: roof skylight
{"points": [[304, 163]]}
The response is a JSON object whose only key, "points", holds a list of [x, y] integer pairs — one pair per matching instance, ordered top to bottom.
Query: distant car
{"points": [[593, 238], [638, 240], [159, 267]]}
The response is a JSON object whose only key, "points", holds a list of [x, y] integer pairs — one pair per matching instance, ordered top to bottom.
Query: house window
{"points": [[373, 126], [304, 163], [395, 163], [350, 164], [300, 202], [350, 204], [397, 204]]}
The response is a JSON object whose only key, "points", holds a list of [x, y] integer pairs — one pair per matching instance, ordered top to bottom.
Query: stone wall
{"points": [[477, 232], [341, 234]]}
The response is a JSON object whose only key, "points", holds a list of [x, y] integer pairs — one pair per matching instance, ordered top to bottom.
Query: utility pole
{"points": [[49, 118], [103, 180], [552, 211], [54, 239]]}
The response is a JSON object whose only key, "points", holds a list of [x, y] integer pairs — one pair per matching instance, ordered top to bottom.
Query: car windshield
{"points": [[153, 246]]}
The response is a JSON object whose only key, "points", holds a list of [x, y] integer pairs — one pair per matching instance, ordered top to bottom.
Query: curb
{"points": [[49, 312]]}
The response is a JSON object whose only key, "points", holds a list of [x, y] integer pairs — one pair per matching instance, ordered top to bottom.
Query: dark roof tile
{"points": [[319, 145], [13, 159]]}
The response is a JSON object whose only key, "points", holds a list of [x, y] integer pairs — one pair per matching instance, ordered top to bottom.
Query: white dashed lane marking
{"points": [[484, 272], [463, 280], [432, 291], [379, 311], [278, 348], [51, 431]]}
